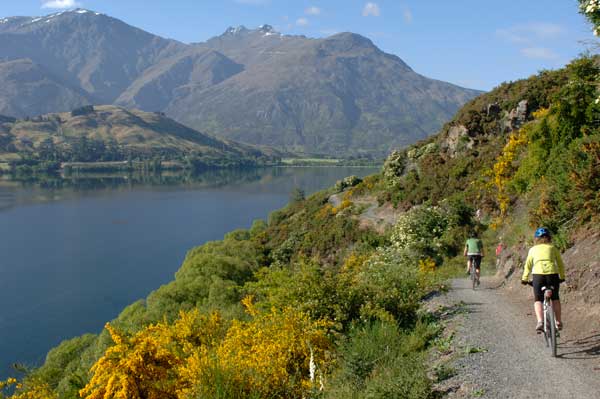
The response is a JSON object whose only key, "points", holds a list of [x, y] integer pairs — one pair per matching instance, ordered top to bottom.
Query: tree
{"points": [[297, 195]]}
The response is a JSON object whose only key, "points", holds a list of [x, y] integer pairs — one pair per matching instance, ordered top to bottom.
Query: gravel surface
{"points": [[498, 355]]}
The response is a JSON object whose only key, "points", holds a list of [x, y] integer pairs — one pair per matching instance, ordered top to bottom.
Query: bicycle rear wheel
{"points": [[473, 276], [546, 329], [551, 330]]}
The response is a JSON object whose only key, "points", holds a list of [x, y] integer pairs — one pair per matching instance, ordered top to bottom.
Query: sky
{"points": [[476, 44]]}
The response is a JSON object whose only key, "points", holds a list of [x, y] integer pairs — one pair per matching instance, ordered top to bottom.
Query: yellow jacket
{"points": [[544, 259]]}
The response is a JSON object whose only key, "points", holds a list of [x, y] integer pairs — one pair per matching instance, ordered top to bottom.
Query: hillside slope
{"points": [[28, 89], [332, 95], [110, 133]]}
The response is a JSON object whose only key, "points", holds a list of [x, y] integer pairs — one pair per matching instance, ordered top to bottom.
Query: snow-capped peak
{"points": [[52, 17], [235, 30], [268, 30]]}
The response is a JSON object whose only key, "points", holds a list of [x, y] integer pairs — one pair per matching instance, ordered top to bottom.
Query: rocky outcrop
{"points": [[493, 110], [517, 116], [458, 138]]}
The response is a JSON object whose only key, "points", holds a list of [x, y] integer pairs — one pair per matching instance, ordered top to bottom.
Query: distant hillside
{"points": [[27, 88], [338, 96], [109, 133]]}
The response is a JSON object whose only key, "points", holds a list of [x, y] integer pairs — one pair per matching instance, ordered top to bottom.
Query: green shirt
{"points": [[474, 246]]}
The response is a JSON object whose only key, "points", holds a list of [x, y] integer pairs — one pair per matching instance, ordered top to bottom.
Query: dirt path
{"points": [[373, 216], [500, 356]]}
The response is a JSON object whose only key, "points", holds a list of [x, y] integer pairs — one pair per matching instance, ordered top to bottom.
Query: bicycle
{"points": [[473, 272], [550, 331]]}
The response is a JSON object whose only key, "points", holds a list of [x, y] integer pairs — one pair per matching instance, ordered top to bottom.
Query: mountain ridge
{"points": [[339, 95]]}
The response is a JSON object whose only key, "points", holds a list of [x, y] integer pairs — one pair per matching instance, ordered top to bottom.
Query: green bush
{"points": [[378, 360]]}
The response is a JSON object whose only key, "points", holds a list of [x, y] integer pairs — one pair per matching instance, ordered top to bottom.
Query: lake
{"points": [[74, 252]]}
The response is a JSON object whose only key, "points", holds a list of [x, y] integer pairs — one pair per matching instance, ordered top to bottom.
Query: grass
{"points": [[475, 349], [444, 372]]}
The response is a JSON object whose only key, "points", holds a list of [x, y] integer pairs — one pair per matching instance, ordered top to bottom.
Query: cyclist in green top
{"points": [[474, 252], [547, 269]]}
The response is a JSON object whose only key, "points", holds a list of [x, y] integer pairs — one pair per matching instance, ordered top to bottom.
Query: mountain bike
{"points": [[473, 272], [550, 331]]}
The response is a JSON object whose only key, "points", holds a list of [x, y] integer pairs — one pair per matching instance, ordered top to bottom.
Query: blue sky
{"points": [[476, 44]]}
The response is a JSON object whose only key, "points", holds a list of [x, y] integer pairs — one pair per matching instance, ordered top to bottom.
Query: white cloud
{"points": [[61, 4], [371, 9], [313, 11], [408, 16], [302, 22], [531, 32], [539, 53]]}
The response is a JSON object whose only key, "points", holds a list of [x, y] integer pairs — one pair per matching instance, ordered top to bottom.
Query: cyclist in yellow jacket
{"points": [[546, 268]]}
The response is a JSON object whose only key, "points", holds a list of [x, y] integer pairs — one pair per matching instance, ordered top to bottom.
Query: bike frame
{"points": [[550, 332]]}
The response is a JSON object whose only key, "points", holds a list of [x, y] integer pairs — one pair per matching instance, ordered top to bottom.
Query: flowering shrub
{"points": [[591, 9], [393, 168], [504, 168], [350, 181], [344, 205], [419, 231], [271, 354], [268, 356], [149, 363], [32, 389]]}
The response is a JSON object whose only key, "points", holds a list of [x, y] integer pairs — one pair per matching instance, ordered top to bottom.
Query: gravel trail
{"points": [[502, 357]]}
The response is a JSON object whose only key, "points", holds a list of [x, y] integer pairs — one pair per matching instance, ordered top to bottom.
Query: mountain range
{"points": [[337, 95]]}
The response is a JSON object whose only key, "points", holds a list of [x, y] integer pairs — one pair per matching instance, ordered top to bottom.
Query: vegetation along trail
{"points": [[504, 358]]}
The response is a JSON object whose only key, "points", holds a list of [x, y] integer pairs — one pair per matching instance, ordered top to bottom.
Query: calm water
{"points": [[74, 253]]}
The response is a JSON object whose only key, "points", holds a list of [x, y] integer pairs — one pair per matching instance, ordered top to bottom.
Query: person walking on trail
{"points": [[499, 249], [474, 252], [546, 268]]}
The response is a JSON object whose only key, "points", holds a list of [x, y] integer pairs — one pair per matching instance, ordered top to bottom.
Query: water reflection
{"points": [[56, 188]]}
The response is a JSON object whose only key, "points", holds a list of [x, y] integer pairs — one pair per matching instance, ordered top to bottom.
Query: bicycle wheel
{"points": [[473, 276], [546, 329], [551, 330]]}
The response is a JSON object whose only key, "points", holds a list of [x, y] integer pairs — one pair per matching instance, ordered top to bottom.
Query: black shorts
{"points": [[475, 261], [545, 280]]}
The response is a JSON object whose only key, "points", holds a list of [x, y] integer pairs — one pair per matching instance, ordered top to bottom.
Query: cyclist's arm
{"points": [[465, 251], [560, 263], [527, 268]]}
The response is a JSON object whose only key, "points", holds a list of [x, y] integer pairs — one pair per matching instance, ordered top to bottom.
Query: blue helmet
{"points": [[542, 232]]}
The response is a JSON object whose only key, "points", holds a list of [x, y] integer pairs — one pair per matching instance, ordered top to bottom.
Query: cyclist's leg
{"points": [[468, 264], [477, 265], [555, 281], [538, 283], [538, 306], [557, 313]]}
